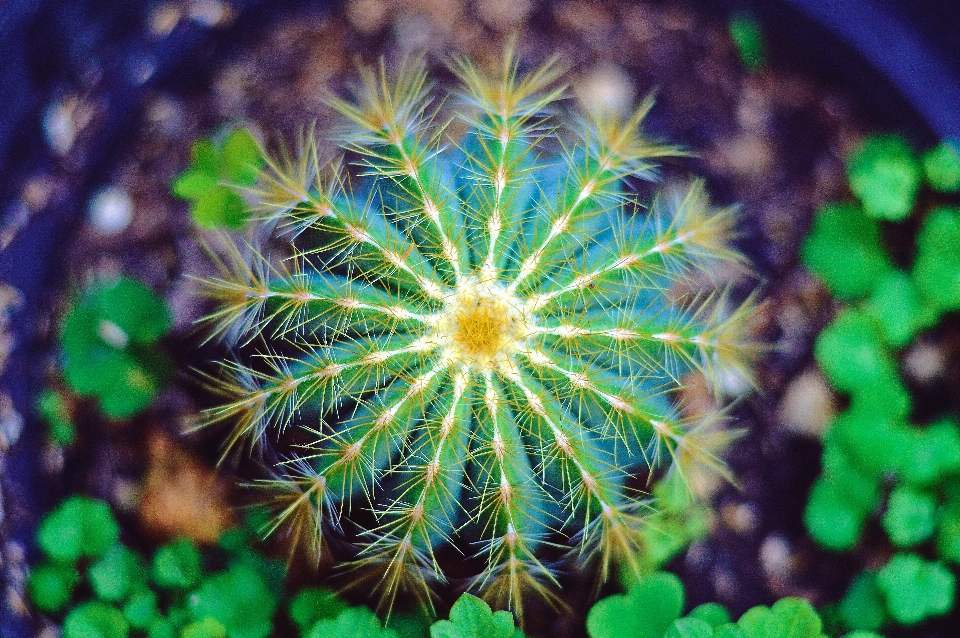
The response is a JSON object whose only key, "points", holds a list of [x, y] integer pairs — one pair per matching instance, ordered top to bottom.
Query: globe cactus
{"points": [[472, 338]]}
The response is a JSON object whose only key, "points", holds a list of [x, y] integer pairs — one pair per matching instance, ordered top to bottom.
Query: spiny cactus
{"points": [[474, 336]]}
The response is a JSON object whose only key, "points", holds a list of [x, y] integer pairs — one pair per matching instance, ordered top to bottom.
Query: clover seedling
{"points": [[747, 35], [941, 167], [213, 170], [884, 174], [844, 250], [936, 270], [109, 340], [55, 411], [80, 527], [177, 565], [118, 572], [51, 585], [916, 589], [176, 598], [239, 599], [313, 604], [863, 606], [652, 609], [645, 611], [471, 617], [95, 620], [358, 622]]}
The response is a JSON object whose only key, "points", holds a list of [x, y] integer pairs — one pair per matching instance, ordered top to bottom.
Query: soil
{"points": [[771, 141]]}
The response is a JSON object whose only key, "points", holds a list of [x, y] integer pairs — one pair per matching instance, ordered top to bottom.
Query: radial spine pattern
{"points": [[476, 333]]}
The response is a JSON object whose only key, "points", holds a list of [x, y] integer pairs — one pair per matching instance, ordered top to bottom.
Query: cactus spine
{"points": [[475, 342]]}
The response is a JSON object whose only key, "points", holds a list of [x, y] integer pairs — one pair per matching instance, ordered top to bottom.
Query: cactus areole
{"points": [[475, 331]]}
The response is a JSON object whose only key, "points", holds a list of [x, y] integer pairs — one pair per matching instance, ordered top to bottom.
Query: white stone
{"points": [[59, 128], [111, 210]]}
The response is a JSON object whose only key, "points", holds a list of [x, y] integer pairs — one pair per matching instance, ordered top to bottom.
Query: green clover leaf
{"points": [[941, 166], [885, 175], [211, 180], [843, 249], [910, 516], [80, 527], [176, 565], [118, 572], [51, 585], [916, 589], [313, 604], [863, 606], [645, 611], [471, 617], [787, 618], [95, 620], [358, 622]]}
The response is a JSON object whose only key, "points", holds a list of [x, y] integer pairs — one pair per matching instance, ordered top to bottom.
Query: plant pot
{"points": [[46, 47]]}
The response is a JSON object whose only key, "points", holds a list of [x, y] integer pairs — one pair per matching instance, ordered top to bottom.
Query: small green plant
{"points": [[747, 34], [941, 167], [215, 170], [884, 174], [476, 336], [109, 338], [55, 410], [877, 465], [104, 589], [653, 607], [470, 617]]}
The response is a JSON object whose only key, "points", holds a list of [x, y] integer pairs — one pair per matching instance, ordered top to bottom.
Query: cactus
{"points": [[472, 339]]}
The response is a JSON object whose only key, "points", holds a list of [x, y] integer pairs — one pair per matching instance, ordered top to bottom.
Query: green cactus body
{"points": [[474, 333]]}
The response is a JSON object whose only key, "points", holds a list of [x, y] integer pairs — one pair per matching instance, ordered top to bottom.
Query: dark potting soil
{"points": [[771, 140]]}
